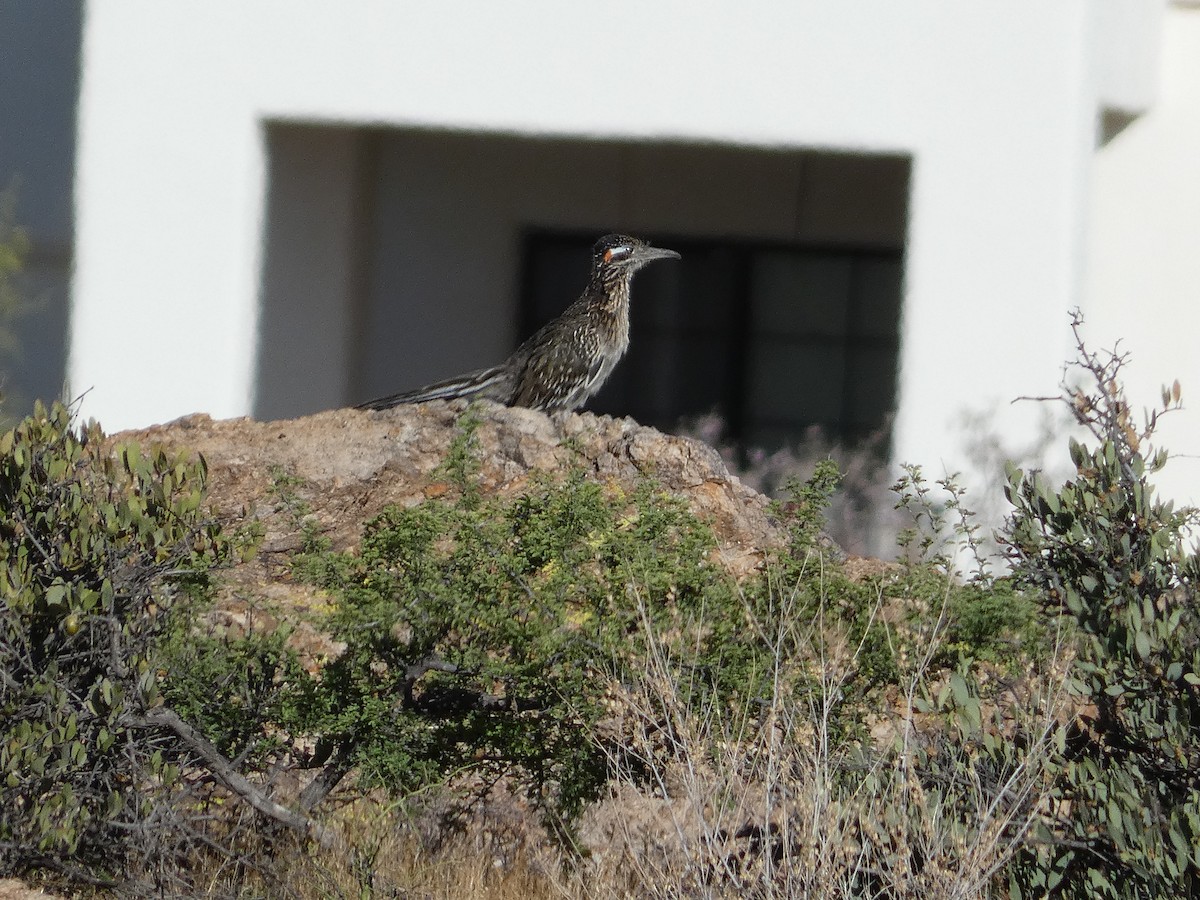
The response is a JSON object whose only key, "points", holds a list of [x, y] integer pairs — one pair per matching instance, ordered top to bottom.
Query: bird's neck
{"points": [[610, 292], [608, 303]]}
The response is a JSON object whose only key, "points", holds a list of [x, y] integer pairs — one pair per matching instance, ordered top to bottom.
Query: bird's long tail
{"points": [[486, 384]]}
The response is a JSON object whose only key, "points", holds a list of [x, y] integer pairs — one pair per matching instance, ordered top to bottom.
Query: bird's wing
{"points": [[558, 375], [488, 384]]}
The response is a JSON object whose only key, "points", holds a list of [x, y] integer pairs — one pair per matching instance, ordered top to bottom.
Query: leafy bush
{"points": [[95, 543], [1108, 556], [485, 635], [231, 687]]}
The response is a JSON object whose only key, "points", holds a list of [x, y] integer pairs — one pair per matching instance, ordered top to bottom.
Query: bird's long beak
{"points": [[649, 254]]}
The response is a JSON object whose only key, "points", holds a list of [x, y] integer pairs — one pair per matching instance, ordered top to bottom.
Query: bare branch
{"points": [[235, 781]]}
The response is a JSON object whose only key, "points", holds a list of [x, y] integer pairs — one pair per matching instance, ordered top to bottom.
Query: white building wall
{"points": [[994, 100], [1143, 272]]}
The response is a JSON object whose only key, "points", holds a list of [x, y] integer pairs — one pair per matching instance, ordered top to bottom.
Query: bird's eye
{"points": [[616, 254]]}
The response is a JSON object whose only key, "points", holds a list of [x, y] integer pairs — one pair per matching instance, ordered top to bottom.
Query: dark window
{"points": [[774, 337]]}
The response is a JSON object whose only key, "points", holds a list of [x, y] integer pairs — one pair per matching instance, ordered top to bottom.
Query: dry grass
{"points": [[778, 804], [378, 853]]}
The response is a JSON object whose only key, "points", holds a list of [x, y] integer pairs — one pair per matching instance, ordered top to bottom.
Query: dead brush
{"points": [[779, 799]]}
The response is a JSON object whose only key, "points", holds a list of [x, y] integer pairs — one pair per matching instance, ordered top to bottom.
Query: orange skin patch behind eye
{"points": [[608, 255]]}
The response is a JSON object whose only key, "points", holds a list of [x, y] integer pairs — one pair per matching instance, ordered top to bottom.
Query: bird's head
{"points": [[621, 254]]}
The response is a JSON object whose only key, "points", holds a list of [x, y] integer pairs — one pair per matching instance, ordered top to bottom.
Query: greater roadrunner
{"points": [[568, 359]]}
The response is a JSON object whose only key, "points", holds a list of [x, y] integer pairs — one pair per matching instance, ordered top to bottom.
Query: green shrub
{"points": [[95, 543], [1108, 555], [486, 634], [231, 687]]}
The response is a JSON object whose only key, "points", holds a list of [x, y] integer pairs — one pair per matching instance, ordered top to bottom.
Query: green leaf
{"points": [[1078, 453], [56, 594], [1142, 642], [960, 690]]}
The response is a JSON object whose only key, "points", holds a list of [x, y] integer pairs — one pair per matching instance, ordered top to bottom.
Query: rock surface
{"points": [[344, 466]]}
